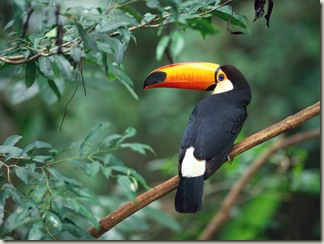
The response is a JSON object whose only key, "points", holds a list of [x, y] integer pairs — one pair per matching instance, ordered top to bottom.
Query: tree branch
{"points": [[164, 188], [223, 214]]}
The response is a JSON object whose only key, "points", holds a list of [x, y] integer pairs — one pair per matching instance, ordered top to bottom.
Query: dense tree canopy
{"points": [[79, 137]]}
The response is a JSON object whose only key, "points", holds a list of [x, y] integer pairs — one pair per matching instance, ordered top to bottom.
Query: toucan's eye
{"points": [[221, 77]]}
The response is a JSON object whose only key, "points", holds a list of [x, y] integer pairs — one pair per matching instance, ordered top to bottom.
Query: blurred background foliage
{"points": [[282, 65]]}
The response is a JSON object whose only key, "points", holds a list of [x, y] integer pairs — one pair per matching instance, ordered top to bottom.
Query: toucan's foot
{"points": [[229, 159]]}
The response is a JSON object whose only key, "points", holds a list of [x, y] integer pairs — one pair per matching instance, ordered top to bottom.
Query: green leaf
{"points": [[154, 4], [225, 13], [18, 17], [148, 17], [118, 19], [203, 25], [52, 33], [88, 40], [177, 44], [113, 46], [162, 46], [76, 53], [45, 66], [64, 67], [30, 74], [123, 78], [54, 88], [50, 90], [19, 93], [93, 132], [129, 132], [12, 140], [108, 140], [36, 145], [138, 147], [11, 151], [42, 158], [93, 168], [106, 172], [130, 172], [22, 173], [59, 178], [128, 186], [11, 191], [39, 192], [84, 194], [3, 196], [83, 210], [86, 211], [21, 216], [53, 221], [36, 232]]}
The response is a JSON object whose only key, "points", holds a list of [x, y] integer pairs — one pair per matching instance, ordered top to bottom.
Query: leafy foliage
{"points": [[56, 51], [49, 204]]}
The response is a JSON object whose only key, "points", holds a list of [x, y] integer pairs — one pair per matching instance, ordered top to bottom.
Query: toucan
{"points": [[213, 126]]}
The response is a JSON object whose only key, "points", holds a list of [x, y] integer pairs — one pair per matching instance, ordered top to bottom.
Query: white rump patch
{"points": [[223, 86], [192, 167]]}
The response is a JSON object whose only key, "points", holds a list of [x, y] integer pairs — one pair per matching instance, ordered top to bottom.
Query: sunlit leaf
{"points": [[52, 33], [12, 140], [53, 221], [36, 232]]}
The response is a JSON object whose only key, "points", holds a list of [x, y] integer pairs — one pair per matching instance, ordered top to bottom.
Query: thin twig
{"points": [[67, 104], [164, 188], [223, 214]]}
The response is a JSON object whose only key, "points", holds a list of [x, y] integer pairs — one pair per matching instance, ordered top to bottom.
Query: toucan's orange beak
{"points": [[190, 75]]}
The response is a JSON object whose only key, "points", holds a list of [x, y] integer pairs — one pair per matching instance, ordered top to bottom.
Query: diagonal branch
{"points": [[168, 186], [223, 214]]}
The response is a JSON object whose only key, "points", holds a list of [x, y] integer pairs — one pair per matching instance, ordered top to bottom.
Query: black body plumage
{"points": [[212, 129]]}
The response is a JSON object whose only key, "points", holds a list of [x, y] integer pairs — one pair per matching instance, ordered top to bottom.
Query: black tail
{"points": [[189, 194]]}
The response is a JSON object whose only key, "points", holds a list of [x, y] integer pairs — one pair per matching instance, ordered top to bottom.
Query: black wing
{"points": [[212, 130]]}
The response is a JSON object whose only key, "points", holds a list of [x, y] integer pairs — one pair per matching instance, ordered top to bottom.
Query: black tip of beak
{"points": [[154, 78]]}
